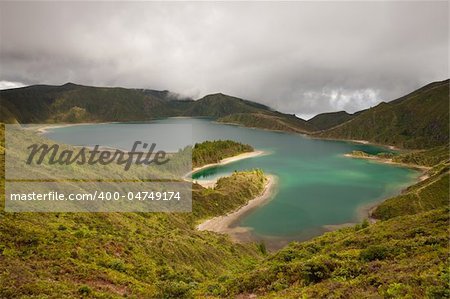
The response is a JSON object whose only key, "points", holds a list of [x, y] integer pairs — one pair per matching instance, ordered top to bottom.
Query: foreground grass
{"points": [[429, 194], [108, 255], [406, 257]]}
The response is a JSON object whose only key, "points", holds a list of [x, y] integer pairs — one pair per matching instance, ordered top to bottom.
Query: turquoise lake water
{"points": [[317, 185]]}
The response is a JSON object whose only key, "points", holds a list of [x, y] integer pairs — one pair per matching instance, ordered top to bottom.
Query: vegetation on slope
{"points": [[75, 103], [218, 105], [418, 120], [274, 121], [326, 121], [209, 152], [430, 157], [229, 193], [429, 194], [116, 255], [162, 255], [406, 257]]}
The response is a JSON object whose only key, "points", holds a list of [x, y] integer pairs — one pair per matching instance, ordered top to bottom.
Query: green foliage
{"points": [[75, 103], [219, 105], [329, 120], [418, 120], [270, 121], [209, 152], [360, 154], [386, 155], [429, 157], [432, 193], [229, 194], [262, 248], [374, 252], [116, 255], [405, 256], [84, 290]]}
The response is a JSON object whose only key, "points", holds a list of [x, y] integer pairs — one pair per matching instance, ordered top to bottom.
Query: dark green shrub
{"points": [[262, 248], [374, 252], [315, 271], [84, 290]]}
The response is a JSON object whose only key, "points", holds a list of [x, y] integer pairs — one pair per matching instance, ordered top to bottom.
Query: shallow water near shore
{"points": [[317, 185]]}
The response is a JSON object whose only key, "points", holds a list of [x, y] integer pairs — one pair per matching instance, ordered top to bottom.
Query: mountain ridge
{"points": [[77, 103], [417, 120]]}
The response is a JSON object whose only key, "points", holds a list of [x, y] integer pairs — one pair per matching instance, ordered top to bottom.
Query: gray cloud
{"points": [[298, 57]]}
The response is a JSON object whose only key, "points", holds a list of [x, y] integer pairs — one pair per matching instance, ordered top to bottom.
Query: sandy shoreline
{"points": [[46, 128], [357, 141], [389, 161], [370, 208], [224, 224]]}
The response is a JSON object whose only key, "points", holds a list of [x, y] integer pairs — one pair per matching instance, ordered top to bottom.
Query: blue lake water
{"points": [[317, 185]]}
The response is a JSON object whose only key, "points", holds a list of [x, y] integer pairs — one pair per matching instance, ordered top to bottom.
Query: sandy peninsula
{"points": [[211, 183], [224, 224]]}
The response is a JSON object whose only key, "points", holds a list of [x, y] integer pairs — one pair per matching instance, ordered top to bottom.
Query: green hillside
{"points": [[73, 103], [76, 103], [218, 105], [233, 110], [328, 120], [418, 120], [279, 122], [429, 157], [432, 193], [116, 255], [405, 257]]}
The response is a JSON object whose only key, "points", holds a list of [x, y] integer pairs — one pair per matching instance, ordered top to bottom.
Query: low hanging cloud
{"points": [[298, 57]]}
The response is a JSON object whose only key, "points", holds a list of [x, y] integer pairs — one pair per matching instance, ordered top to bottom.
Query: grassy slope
{"points": [[75, 103], [218, 105], [229, 109], [418, 120], [269, 121], [326, 121], [430, 157], [427, 195], [117, 254], [122, 254], [405, 257]]}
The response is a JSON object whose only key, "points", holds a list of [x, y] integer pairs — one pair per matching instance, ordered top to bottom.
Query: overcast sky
{"points": [[297, 57]]}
